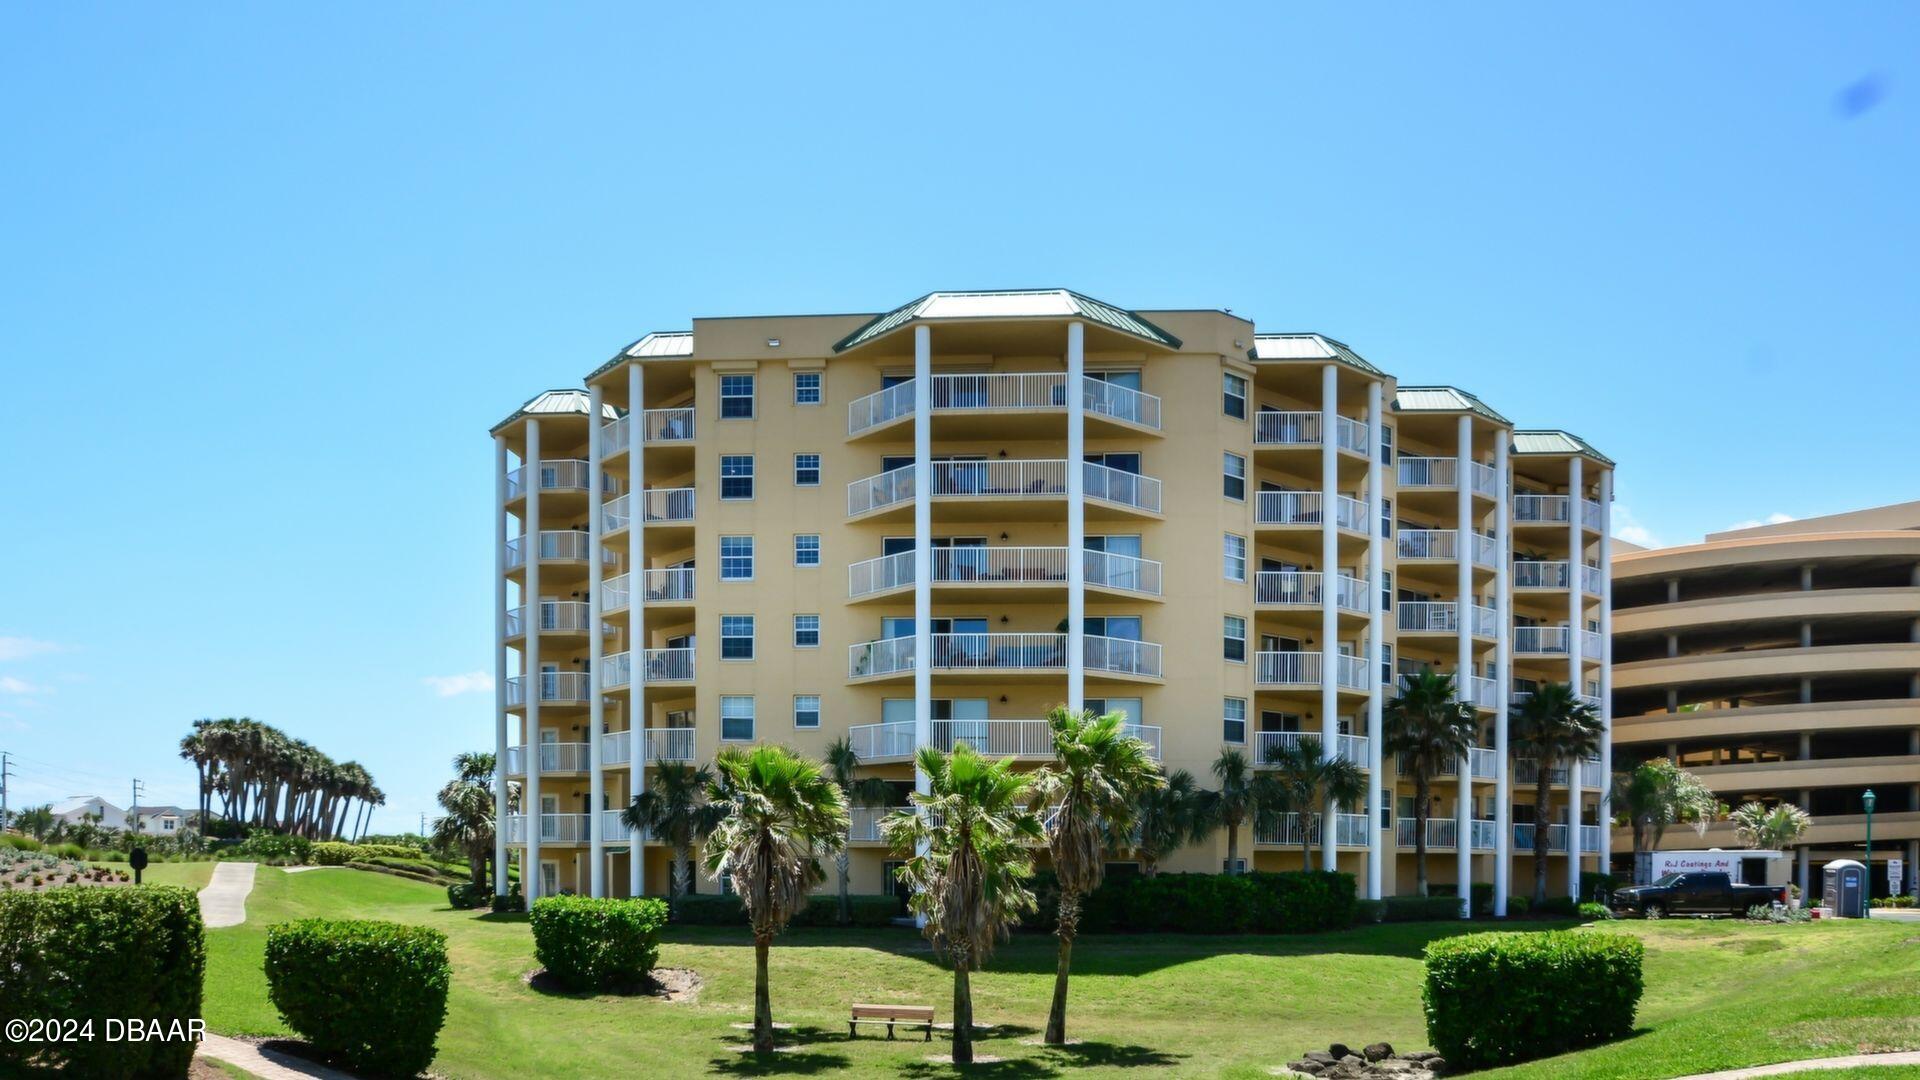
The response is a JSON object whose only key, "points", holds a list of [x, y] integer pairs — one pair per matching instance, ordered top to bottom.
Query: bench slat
{"points": [[893, 1012]]}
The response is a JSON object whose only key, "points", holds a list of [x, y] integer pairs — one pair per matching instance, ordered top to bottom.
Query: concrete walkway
{"points": [[224, 901], [1854, 1061], [269, 1064]]}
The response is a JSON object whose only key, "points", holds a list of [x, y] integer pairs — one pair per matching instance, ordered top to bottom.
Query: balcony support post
{"points": [[1076, 517], [1576, 552], [922, 556], [1329, 611], [637, 619], [1376, 632], [1463, 636], [500, 665], [530, 665], [1502, 680], [596, 705], [1604, 854]]}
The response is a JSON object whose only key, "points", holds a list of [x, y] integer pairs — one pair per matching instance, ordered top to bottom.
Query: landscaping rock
{"points": [[1338, 1050], [1377, 1051], [1320, 1057], [1376, 1061], [1436, 1064]]}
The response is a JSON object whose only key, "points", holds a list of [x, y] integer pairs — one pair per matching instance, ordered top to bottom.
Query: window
{"points": [[806, 388], [1233, 396], [736, 397], [1386, 445], [1235, 468], [806, 470], [736, 476], [1386, 518], [806, 549], [1235, 553], [736, 558], [1386, 590], [806, 631], [736, 637], [1236, 639], [1386, 663], [806, 710], [1235, 711], [736, 718], [1386, 809]]}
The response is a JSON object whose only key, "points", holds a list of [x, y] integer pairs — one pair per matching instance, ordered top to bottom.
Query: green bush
{"points": [[20, 842], [273, 847], [370, 852], [331, 853], [1594, 885], [1482, 894], [466, 895], [513, 901], [1293, 902], [1517, 906], [1559, 907], [1422, 908], [709, 909], [823, 909], [1369, 911], [1591, 911], [590, 944], [90, 954], [371, 995], [1497, 998]]}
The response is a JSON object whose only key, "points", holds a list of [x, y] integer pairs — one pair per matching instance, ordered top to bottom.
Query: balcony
{"points": [[1007, 394], [657, 426], [1281, 429], [1443, 473], [566, 476], [1002, 481], [1119, 488], [669, 506], [1308, 508], [1553, 510], [557, 546], [990, 570], [673, 585], [1305, 589], [556, 617], [1443, 617], [1554, 641], [1010, 653], [660, 666], [1302, 669], [556, 688], [1481, 693], [1031, 739], [662, 744], [1350, 747], [554, 758], [1481, 764], [1527, 771], [554, 828], [1350, 831], [1523, 839]]}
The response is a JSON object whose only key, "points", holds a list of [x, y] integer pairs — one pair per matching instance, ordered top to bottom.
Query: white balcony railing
{"points": [[999, 390], [1103, 398], [880, 407], [669, 425], [1273, 427], [616, 436], [1429, 472], [559, 474], [1006, 478], [1484, 479], [1120, 488], [881, 490], [666, 506], [1307, 508], [1540, 509], [1590, 513], [616, 514], [1428, 544], [556, 545], [1486, 550], [1012, 565], [1125, 572], [881, 574], [1532, 574], [1592, 580], [671, 585], [1288, 588], [616, 593], [556, 617], [1428, 617], [1554, 641], [1000, 652], [1004, 652], [887, 656], [1122, 656], [658, 666], [1286, 669], [556, 687], [1481, 693], [997, 738], [878, 742], [671, 744], [1350, 747], [616, 748], [554, 758], [1481, 761], [1527, 771], [864, 822], [554, 828], [614, 830], [1350, 830], [1443, 833], [1485, 833], [1523, 838], [1589, 838]]}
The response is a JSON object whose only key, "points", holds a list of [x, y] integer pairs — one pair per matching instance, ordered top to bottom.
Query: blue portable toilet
{"points": [[1845, 892]]}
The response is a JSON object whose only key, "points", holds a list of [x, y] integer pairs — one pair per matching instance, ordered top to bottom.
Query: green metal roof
{"points": [[1008, 304], [659, 344], [1308, 346], [1444, 399], [556, 403], [1556, 442]]}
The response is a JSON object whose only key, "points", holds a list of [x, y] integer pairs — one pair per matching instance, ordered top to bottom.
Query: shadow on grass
{"points": [[508, 917], [795, 1053]]}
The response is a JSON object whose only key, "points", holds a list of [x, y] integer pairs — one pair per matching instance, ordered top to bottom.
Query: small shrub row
{"points": [[19, 842], [465, 895], [1904, 900], [513, 901], [1293, 902], [823, 909], [597, 944], [370, 995], [1504, 997]]}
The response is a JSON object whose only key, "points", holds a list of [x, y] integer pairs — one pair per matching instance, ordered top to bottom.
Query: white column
{"points": [[1576, 488], [1076, 517], [923, 555], [1329, 612], [1463, 614], [636, 616], [1376, 633], [530, 662], [500, 665], [1606, 665], [1502, 677], [596, 706]]}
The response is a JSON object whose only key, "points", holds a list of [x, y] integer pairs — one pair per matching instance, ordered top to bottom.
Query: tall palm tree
{"points": [[1552, 726], [1428, 727], [843, 765], [1305, 780], [1092, 787], [1656, 794], [1235, 802], [675, 810], [781, 810], [1168, 818], [468, 823], [1774, 828], [967, 850]]}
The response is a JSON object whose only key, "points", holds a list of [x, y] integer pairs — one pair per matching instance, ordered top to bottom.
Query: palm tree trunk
{"points": [[1422, 805], [1542, 825], [1639, 845], [1233, 847], [1149, 864], [676, 887], [846, 904], [1063, 967], [762, 1004], [962, 1009]]}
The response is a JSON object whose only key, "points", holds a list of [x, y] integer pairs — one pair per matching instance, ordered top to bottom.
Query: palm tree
{"points": [[1552, 725], [1429, 728], [842, 764], [1307, 781], [1092, 787], [1658, 793], [1235, 802], [675, 809], [781, 810], [1168, 818], [35, 821], [468, 823], [1774, 828], [966, 846]]}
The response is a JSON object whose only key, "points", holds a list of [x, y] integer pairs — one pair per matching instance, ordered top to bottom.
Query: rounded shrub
{"points": [[331, 853], [464, 895], [595, 944], [90, 955], [371, 995], [1497, 998]]}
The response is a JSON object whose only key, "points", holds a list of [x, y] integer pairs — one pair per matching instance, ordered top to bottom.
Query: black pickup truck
{"points": [[1695, 892]]}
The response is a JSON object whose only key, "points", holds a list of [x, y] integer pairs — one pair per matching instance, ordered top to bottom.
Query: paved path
{"points": [[224, 901], [1855, 1061], [268, 1064]]}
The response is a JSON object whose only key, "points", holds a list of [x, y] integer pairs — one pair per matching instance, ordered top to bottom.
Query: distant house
{"points": [[154, 820], [162, 820]]}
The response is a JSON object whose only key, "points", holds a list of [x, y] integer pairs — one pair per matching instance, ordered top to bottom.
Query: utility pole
{"points": [[6, 770], [133, 816], [423, 824]]}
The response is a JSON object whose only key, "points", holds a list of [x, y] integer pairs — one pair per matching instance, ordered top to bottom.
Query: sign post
{"points": [[137, 858], [1896, 876]]}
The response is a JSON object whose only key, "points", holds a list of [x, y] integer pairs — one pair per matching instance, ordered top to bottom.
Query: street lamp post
{"points": [[1867, 800]]}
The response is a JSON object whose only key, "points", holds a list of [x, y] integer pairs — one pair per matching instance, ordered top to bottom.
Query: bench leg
{"points": [[849, 1029], [889, 1029], [929, 1033]]}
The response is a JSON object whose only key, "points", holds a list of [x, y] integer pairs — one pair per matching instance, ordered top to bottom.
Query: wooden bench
{"points": [[903, 1015]]}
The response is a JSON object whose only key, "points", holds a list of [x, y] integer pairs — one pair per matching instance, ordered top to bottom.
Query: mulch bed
{"points": [[668, 984]]}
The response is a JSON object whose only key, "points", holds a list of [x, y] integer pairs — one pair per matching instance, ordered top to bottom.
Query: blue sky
{"points": [[271, 271]]}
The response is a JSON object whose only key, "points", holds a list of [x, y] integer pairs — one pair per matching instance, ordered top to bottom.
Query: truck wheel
{"points": [[1656, 911]]}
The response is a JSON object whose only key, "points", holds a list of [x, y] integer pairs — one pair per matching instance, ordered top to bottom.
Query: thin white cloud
{"points": [[1775, 518], [1628, 528], [20, 648], [472, 682], [21, 687]]}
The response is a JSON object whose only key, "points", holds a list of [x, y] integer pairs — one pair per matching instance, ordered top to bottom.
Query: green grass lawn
{"points": [[1719, 995]]}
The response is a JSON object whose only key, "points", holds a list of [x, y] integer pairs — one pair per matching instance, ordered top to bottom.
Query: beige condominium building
{"points": [[934, 524], [1782, 664]]}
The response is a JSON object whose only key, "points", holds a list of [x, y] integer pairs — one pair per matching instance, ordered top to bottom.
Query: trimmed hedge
{"points": [[330, 853], [337, 853], [466, 895], [513, 901], [1293, 902], [1559, 907], [1421, 908], [823, 909], [589, 944], [92, 955], [371, 995], [1497, 998]]}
